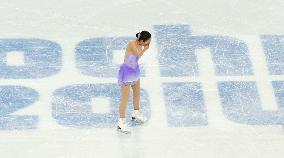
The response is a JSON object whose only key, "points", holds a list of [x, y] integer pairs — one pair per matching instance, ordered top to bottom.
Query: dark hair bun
{"points": [[137, 34], [143, 35]]}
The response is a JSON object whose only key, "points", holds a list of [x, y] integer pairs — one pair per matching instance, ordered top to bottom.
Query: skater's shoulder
{"points": [[131, 43]]}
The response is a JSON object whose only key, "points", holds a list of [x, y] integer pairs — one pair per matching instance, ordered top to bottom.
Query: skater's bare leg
{"points": [[125, 89], [136, 95]]}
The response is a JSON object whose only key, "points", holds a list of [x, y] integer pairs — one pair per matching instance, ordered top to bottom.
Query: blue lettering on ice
{"points": [[274, 51], [177, 55], [94, 56], [42, 58], [279, 93], [12, 99], [240, 100], [241, 103], [184, 104], [72, 107]]}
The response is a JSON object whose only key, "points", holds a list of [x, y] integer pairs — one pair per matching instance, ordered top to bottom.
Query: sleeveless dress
{"points": [[129, 71]]}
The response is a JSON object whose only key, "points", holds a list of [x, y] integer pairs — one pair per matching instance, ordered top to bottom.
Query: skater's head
{"points": [[143, 38]]}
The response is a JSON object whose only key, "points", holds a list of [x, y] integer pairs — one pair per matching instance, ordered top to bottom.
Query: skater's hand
{"points": [[146, 46]]}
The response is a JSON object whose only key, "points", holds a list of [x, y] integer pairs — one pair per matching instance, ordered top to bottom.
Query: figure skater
{"points": [[129, 74]]}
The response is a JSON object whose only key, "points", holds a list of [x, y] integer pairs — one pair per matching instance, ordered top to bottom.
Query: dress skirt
{"points": [[128, 75]]}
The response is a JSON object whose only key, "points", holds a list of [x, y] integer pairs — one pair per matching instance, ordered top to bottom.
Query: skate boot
{"points": [[136, 115], [122, 126]]}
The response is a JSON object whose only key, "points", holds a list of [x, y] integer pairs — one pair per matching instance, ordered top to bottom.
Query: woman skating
{"points": [[129, 75]]}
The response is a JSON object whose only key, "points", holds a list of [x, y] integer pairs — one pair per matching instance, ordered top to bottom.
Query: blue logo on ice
{"points": [[240, 100], [71, 104]]}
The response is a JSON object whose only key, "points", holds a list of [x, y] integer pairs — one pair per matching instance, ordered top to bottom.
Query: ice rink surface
{"points": [[212, 82]]}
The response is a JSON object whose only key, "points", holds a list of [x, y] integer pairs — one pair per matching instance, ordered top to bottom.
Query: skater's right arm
{"points": [[138, 51]]}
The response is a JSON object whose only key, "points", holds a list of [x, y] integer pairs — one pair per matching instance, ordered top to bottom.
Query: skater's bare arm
{"points": [[138, 51]]}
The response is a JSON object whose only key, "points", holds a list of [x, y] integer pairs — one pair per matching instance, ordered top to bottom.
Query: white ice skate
{"points": [[136, 115], [123, 127]]}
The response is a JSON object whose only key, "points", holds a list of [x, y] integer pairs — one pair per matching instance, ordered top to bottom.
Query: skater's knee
{"points": [[125, 88]]}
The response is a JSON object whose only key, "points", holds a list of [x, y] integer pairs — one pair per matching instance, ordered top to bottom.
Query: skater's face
{"points": [[145, 43]]}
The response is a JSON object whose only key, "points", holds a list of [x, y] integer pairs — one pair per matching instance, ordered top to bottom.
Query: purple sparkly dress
{"points": [[129, 72]]}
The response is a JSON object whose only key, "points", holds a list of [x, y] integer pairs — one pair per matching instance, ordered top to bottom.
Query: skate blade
{"points": [[134, 119], [125, 132]]}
